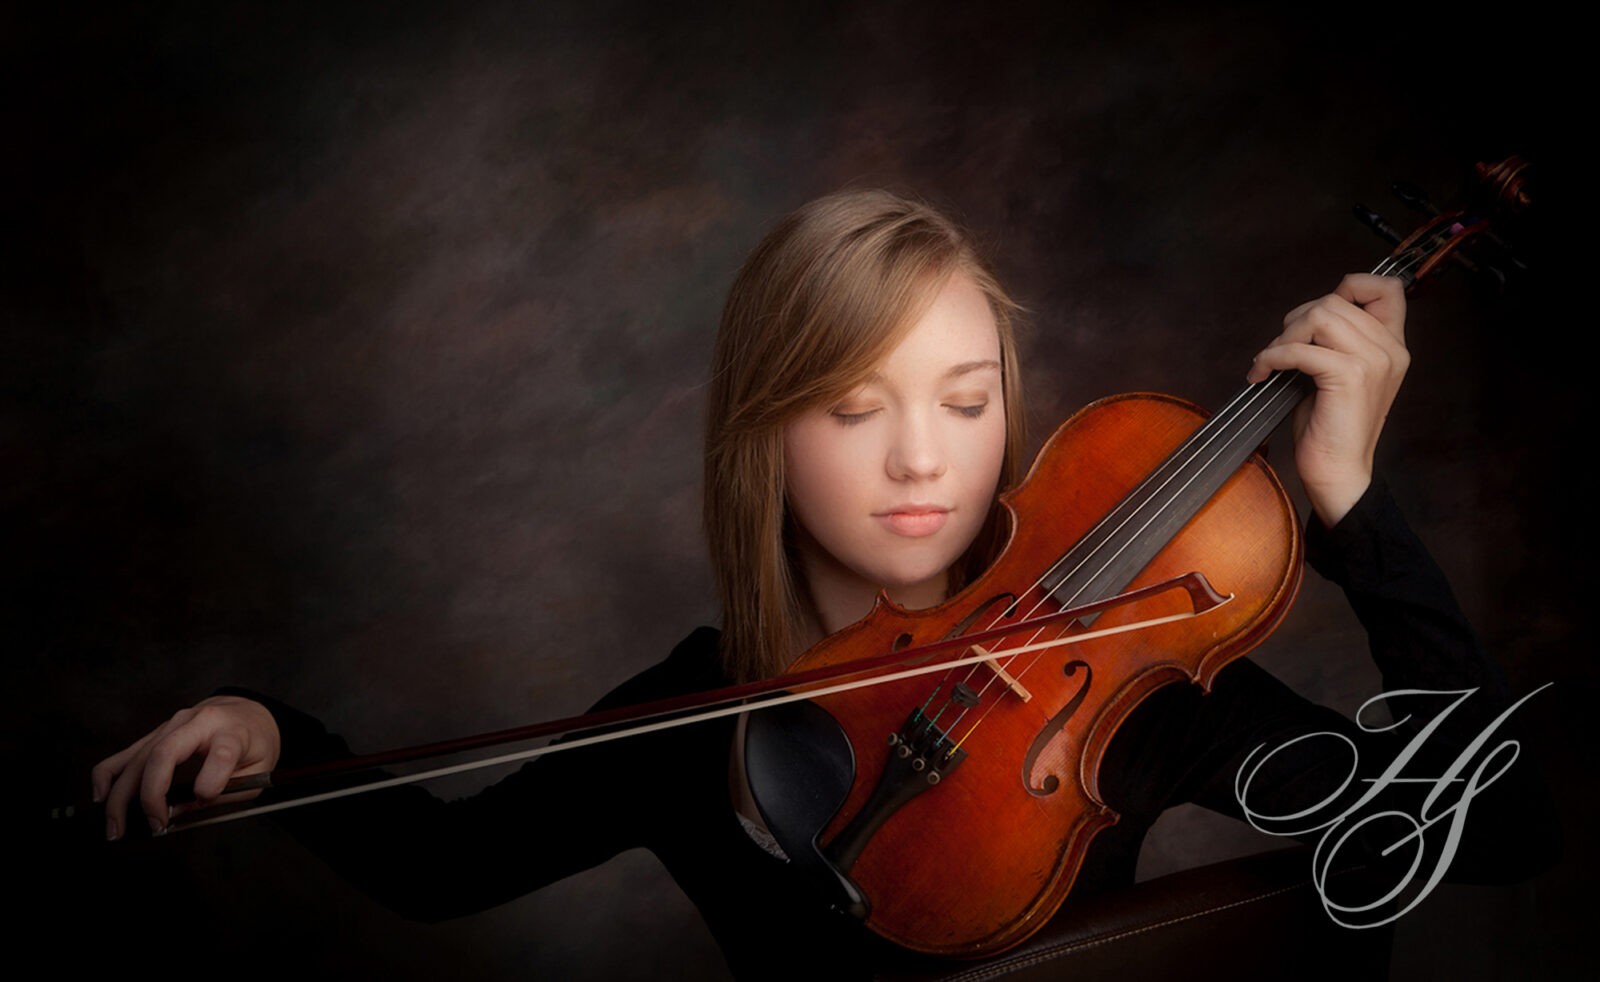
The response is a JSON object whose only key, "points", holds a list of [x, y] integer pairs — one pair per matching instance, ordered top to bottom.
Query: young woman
{"points": [[865, 409]]}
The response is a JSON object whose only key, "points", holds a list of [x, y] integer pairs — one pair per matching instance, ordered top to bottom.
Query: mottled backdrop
{"points": [[355, 352]]}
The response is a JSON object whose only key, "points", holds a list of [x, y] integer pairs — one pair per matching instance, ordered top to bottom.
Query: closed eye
{"points": [[970, 412], [852, 419]]}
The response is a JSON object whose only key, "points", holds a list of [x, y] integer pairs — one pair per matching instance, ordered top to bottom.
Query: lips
{"points": [[914, 521]]}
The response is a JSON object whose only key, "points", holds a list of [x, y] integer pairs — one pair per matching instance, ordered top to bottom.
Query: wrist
{"points": [[1332, 500]]}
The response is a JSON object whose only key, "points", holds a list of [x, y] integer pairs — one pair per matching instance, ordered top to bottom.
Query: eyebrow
{"points": [[968, 367], [956, 371]]}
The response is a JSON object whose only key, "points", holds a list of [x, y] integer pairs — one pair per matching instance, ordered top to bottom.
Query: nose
{"points": [[917, 453]]}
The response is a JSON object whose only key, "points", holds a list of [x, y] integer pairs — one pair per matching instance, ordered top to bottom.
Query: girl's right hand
{"points": [[234, 737]]}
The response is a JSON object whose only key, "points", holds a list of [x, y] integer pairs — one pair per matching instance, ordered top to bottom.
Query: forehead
{"points": [[955, 333]]}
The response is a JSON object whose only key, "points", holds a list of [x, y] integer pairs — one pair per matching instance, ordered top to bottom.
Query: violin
{"points": [[949, 803]]}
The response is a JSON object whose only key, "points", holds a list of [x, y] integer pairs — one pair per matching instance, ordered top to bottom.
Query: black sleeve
{"points": [[1420, 641], [430, 859]]}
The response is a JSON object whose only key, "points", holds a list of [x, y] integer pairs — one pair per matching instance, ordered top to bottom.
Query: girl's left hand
{"points": [[1352, 343]]}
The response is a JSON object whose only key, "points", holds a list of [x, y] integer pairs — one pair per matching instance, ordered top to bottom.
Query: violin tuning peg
{"points": [[1414, 197], [1374, 221]]}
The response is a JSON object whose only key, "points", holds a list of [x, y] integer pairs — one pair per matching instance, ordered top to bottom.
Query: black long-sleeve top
{"points": [[669, 792]]}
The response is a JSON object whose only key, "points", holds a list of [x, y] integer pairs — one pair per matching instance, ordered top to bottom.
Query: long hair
{"points": [[820, 302]]}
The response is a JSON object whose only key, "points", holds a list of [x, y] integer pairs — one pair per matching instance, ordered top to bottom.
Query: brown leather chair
{"points": [[1251, 918]]}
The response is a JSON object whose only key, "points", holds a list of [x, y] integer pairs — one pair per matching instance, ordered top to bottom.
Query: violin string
{"points": [[1269, 391], [1272, 394], [1263, 397], [1222, 420], [1210, 430], [1132, 505]]}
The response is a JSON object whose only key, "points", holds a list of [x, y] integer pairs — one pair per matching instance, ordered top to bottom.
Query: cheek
{"points": [[983, 454], [818, 474]]}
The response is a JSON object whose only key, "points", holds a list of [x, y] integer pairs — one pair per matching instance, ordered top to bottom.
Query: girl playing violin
{"points": [[865, 411]]}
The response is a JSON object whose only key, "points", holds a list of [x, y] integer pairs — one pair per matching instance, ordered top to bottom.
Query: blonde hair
{"points": [[820, 302]]}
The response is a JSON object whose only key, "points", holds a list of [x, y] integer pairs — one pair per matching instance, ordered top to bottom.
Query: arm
{"points": [[423, 857], [427, 858]]}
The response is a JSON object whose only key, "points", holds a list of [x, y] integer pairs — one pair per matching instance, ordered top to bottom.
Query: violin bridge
{"points": [[993, 663]]}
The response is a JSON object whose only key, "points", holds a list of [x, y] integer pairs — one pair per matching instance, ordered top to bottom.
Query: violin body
{"points": [[978, 859]]}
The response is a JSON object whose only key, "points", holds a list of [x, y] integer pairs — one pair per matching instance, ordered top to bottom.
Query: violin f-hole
{"points": [[1051, 783]]}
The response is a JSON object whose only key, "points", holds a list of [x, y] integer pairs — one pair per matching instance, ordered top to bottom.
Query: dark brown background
{"points": [[357, 355]]}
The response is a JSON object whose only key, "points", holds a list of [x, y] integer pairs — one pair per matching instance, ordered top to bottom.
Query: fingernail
{"points": [[97, 794], [155, 826], [112, 832]]}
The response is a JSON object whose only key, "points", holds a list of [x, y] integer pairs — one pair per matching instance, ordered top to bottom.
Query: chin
{"points": [[904, 584]]}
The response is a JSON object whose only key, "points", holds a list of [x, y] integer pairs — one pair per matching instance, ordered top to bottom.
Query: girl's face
{"points": [[889, 486]]}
